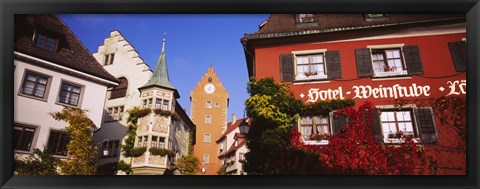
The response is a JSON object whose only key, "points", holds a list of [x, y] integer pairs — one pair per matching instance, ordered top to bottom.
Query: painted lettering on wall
{"points": [[457, 87]]}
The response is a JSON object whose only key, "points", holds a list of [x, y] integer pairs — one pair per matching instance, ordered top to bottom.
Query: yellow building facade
{"points": [[208, 111]]}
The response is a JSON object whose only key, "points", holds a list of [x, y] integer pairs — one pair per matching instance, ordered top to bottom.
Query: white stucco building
{"points": [[120, 59], [53, 70], [140, 87], [232, 148]]}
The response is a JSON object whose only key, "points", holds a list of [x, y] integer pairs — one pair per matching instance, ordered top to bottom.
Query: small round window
{"points": [[210, 79]]}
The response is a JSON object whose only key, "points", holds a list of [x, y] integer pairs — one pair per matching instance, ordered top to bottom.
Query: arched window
{"points": [[120, 90]]}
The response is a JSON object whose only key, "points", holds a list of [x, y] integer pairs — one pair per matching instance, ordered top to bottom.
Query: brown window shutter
{"points": [[459, 54], [413, 60], [364, 62], [286, 67], [334, 68], [338, 123], [426, 125], [376, 126]]}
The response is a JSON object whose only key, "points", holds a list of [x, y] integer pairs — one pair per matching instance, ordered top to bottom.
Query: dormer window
{"points": [[376, 17], [305, 18], [46, 42]]}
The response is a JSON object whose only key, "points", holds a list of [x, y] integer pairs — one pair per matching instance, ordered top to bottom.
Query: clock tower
{"points": [[208, 111]]}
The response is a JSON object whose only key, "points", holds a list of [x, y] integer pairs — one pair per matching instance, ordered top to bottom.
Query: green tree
{"points": [[274, 111], [81, 150], [37, 163], [188, 165]]}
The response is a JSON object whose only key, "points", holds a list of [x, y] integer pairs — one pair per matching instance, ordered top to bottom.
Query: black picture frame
{"points": [[10, 7]]}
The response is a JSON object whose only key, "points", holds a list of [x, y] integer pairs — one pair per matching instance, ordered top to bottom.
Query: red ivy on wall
{"points": [[356, 151]]}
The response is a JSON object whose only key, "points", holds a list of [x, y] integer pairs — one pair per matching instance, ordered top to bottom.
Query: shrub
{"points": [[158, 151], [137, 152], [125, 167]]}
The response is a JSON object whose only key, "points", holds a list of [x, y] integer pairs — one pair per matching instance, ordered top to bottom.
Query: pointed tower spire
{"points": [[160, 74]]}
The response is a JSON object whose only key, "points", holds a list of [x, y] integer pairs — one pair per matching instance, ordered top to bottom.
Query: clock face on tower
{"points": [[209, 88]]}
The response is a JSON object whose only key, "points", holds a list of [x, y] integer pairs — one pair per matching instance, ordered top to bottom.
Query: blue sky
{"points": [[193, 43]]}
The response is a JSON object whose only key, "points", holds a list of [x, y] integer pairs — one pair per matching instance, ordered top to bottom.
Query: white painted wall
{"points": [[128, 64], [34, 112], [229, 138]]}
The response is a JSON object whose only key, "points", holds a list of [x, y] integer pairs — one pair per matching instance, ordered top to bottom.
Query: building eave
{"points": [[330, 30], [64, 69]]}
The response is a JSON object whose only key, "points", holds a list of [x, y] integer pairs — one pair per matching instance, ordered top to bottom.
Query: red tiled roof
{"points": [[282, 25], [71, 52], [232, 126]]}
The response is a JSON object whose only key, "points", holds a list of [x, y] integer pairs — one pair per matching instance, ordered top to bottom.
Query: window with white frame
{"points": [[305, 18], [388, 62], [311, 66], [35, 85], [69, 94], [147, 103], [162, 104], [208, 104], [217, 105], [114, 114], [208, 119], [397, 124], [315, 128], [23, 137], [206, 137], [142, 141], [158, 142], [206, 158]]}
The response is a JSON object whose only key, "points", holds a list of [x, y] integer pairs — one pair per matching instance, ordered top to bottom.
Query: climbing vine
{"points": [[274, 111], [134, 114], [81, 150], [356, 151], [448, 155]]}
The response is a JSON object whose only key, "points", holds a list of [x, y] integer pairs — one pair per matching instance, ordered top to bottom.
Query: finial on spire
{"points": [[164, 40]]}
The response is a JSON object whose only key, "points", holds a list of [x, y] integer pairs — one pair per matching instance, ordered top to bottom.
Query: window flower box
{"points": [[310, 73], [401, 134], [319, 137]]}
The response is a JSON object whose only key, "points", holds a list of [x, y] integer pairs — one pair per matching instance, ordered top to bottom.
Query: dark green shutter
{"points": [[459, 54], [413, 60], [364, 62], [286, 67], [334, 68], [338, 123], [426, 125], [377, 126]]}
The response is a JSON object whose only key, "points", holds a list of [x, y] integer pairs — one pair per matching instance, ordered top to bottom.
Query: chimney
{"points": [[234, 118]]}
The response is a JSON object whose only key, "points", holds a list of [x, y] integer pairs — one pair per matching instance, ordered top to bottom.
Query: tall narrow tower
{"points": [[209, 103], [153, 130]]}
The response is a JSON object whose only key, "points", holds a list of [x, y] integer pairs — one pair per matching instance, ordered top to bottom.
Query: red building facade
{"points": [[403, 64]]}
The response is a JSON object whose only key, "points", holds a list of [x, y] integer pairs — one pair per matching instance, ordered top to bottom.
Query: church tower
{"points": [[209, 104]]}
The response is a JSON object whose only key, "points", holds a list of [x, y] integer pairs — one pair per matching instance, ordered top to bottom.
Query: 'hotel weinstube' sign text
{"points": [[458, 87]]}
